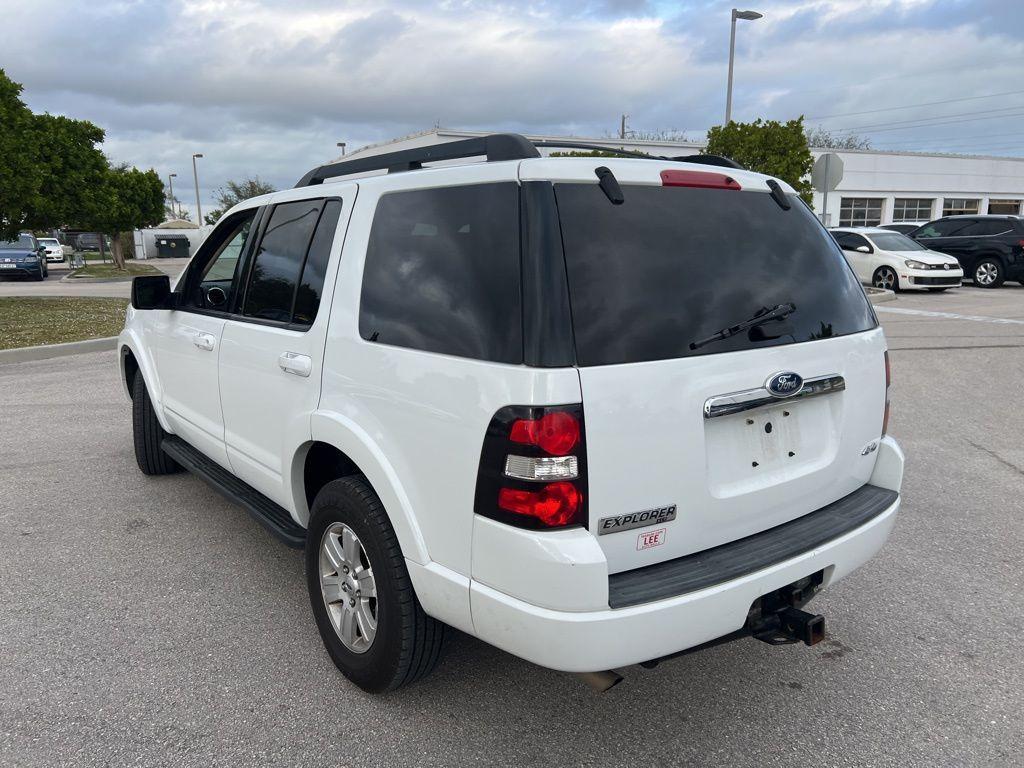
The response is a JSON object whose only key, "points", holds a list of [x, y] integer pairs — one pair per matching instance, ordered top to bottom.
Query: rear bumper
{"points": [[586, 641]]}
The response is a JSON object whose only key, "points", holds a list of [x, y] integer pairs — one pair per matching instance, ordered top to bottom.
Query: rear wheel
{"points": [[988, 273], [885, 277], [148, 434], [363, 601]]}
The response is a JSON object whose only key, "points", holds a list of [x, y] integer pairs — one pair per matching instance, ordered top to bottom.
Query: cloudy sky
{"points": [[268, 87]]}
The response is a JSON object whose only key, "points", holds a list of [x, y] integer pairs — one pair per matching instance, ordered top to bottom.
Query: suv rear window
{"points": [[673, 265], [442, 272]]}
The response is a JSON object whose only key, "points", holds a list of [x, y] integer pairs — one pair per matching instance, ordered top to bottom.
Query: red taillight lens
{"points": [[698, 179], [556, 433], [557, 504]]}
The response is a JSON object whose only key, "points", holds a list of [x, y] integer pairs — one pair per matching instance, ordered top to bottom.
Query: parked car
{"points": [[903, 228], [90, 241], [989, 248], [54, 250], [23, 257], [887, 259], [594, 411]]}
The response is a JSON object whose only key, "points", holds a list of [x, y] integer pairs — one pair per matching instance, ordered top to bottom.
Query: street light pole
{"points": [[746, 16], [342, 145], [195, 178], [170, 183]]}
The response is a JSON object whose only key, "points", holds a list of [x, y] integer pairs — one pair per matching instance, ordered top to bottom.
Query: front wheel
{"points": [[988, 273], [41, 276], [885, 277], [148, 434], [369, 618]]}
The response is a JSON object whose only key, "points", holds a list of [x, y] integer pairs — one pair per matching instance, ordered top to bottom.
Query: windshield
{"points": [[48, 241], [894, 241], [23, 243], [675, 264]]}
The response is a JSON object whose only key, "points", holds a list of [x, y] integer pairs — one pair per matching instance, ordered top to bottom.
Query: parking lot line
{"points": [[950, 315]]}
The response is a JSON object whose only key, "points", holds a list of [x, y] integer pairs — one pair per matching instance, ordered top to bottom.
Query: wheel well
{"points": [[131, 368], [324, 463]]}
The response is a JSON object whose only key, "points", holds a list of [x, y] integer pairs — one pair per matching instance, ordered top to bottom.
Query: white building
{"points": [[878, 187]]}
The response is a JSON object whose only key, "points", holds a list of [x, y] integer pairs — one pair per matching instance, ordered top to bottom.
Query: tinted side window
{"points": [[984, 227], [942, 228], [279, 258], [442, 272], [307, 298]]}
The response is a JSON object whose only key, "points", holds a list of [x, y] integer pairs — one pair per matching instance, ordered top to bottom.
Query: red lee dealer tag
{"points": [[650, 539]]}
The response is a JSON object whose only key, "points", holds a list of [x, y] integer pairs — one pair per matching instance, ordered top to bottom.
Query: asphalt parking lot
{"points": [[55, 285], [146, 621]]}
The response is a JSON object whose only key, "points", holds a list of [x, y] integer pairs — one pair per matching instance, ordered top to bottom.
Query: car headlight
{"points": [[30, 259], [911, 264]]}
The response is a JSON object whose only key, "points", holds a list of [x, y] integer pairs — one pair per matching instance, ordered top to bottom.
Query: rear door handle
{"points": [[205, 341], [295, 364]]}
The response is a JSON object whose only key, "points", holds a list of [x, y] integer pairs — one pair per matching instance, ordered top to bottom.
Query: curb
{"points": [[70, 279], [879, 296], [47, 351]]}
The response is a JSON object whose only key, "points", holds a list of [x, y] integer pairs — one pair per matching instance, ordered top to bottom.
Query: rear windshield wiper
{"points": [[763, 315]]}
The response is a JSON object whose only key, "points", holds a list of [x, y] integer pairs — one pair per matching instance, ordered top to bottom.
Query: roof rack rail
{"points": [[495, 147], [597, 148], [724, 162]]}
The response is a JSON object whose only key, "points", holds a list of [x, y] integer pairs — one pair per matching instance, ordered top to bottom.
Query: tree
{"points": [[820, 138], [770, 147], [19, 176], [234, 192], [129, 199]]}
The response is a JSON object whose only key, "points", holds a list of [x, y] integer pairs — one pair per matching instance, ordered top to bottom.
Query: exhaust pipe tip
{"points": [[600, 682]]}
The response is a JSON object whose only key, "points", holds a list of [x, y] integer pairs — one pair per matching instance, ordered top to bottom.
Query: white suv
{"points": [[594, 411]]}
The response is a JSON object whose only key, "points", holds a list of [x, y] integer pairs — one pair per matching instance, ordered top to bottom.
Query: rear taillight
{"points": [[699, 180], [888, 383], [533, 467]]}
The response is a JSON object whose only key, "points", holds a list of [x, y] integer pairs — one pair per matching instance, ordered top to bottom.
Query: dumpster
{"points": [[172, 246]]}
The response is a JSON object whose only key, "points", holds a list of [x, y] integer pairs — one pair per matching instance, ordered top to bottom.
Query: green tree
{"points": [[820, 138], [770, 147], [20, 178], [234, 192], [128, 199]]}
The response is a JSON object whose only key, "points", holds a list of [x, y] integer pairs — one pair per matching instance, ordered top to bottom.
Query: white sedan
{"points": [[54, 250], [887, 259]]}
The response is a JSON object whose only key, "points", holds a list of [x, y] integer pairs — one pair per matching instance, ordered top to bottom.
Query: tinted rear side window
{"points": [[279, 260], [673, 265], [442, 272], [307, 298]]}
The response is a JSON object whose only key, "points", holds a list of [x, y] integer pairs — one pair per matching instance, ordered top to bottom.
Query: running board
{"points": [[270, 515]]}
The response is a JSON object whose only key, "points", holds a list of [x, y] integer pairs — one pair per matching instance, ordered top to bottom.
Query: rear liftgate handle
{"points": [[295, 364]]}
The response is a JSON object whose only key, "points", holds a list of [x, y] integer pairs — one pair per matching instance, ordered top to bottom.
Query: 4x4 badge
{"points": [[636, 520]]}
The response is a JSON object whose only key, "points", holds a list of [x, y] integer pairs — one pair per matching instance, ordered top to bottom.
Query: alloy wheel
{"points": [[986, 273], [885, 278], [348, 587]]}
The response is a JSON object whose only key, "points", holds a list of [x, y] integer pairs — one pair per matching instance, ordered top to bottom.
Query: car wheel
{"points": [[988, 273], [41, 276], [885, 277], [148, 434], [369, 618]]}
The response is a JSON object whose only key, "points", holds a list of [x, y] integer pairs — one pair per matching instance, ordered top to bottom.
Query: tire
{"points": [[988, 273], [40, 277], [885, 277], [938, 290], [148, 434], [406, 643]]}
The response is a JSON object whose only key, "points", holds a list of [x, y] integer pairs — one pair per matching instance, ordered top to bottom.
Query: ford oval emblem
{"points": [[785, 384]]}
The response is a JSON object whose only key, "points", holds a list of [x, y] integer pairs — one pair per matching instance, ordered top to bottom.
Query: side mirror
{"points": [[41, 249], [863, 249], [152, 292]]}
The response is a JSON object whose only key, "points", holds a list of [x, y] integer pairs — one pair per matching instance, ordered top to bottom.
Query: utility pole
{"points": [[622, 127], [342, 145], [195, 178], [170, 183]]}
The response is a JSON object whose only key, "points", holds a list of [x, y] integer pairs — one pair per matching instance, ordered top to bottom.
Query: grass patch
{"points": [[109, 270], [27, 322]]}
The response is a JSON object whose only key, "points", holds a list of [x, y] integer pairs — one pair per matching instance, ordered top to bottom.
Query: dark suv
{"points": [[989, 248]]}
